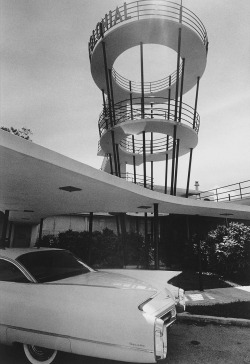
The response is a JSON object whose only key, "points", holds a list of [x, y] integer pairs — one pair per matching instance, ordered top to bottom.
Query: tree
{"points": [[23, 133]]}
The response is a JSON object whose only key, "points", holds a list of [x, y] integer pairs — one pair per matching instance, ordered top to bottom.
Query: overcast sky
{"points": [[46, 84]]}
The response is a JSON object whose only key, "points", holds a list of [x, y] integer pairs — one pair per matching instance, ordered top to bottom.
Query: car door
{"points": [[11, 279], [28, 311]]}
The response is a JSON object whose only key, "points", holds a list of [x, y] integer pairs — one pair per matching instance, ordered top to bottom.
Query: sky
{"points": [[46, 83]]}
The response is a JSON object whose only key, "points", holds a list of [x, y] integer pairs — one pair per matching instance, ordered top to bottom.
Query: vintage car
{"points": [[50, 300]]}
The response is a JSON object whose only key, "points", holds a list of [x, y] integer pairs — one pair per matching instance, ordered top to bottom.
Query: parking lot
{"points": [[188, 344]]}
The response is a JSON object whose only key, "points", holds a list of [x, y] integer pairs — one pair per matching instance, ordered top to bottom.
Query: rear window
{"points": [[47, 266]]}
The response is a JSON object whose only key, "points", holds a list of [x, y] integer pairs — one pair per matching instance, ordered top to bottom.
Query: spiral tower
{"points": [[135, 113]]}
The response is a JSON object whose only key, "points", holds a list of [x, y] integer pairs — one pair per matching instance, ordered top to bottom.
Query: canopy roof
{"points": [[36, 183]]}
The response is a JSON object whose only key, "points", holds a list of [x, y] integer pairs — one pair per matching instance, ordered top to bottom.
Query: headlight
{"points": [[160, 339]]}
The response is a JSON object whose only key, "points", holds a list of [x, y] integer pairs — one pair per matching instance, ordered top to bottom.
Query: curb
{"points": [[227, 321]]}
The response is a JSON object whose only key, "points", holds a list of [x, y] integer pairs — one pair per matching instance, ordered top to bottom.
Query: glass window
{"points": [[53, 265], [10, 273]]}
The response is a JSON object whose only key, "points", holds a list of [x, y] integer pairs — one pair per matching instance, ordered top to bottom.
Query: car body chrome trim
{"points": [[137, 348]]}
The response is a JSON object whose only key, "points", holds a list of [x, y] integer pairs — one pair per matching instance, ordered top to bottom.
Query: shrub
{"points": [[103, 249], [226, 250]]}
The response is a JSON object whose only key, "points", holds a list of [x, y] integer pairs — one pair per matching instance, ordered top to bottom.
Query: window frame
{"points": [[25, 273]]}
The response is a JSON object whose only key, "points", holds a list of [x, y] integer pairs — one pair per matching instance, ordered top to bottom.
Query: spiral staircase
{"points": [[142, 122]]}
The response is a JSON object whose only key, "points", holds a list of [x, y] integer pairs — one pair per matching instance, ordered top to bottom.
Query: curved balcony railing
{"points": [[144, 9], [149, 86], [166, 110], [135, 145], [138, 179], [233, 192]]}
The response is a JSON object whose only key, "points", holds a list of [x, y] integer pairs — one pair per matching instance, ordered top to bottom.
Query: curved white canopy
{"points": [[31, 178]]}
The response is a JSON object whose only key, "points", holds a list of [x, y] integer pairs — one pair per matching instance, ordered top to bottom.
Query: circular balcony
{"points": [[138, 10], [148, 22], [154, 108], [158, 117]]}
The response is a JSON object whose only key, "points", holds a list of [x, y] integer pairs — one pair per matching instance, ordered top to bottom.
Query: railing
{"points": [[144, 9], [149, 86], [166, 110], [151, 146], [138, 179], [233, 192]]}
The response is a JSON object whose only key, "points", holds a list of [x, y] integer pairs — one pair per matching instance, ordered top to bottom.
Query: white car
{"points": [[50, 300]]}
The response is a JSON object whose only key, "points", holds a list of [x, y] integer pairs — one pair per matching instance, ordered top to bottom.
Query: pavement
{"points": [[216, 296]]}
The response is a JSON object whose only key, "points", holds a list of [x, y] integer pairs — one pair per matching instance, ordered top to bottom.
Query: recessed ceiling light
{"points": [[70, 189]]}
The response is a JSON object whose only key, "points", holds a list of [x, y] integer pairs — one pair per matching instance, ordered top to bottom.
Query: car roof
{"points": [[14, 253]]}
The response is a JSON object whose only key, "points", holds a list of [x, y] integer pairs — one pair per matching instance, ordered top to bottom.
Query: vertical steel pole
{"points": [[177, 75], [142, 82], [182, 84], [112, 95], [109, 96], [169, 97], [131, 101], [196, 101], [105, 109], [176, 109], [133, 138], [114, 151], [144, 159], [118, 160], [173, 161], [110, 162], [152, 163], [134, 164], [166, 167], [176, 167], [189, 171], [117, 225], [4, 229], [40, 233], [9, 234], [123, 235], [156, 235], [90, 236], [146, 239], [200, 265]]}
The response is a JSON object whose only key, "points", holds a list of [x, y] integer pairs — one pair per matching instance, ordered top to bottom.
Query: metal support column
{"points": [[177, 74], [142, 82], [181, 92], [109, 96], [112, 96], [196, 100], [105, 110], [132, 118], [144, 159], [118, 160], [173, 161], [110, 162], [134, 163], [152, 163], [176, 166], [166, 167], [189, 171], [4, 229], [40, 234], [156, 235], [90, 236], [123, 236], [146, 239]]}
